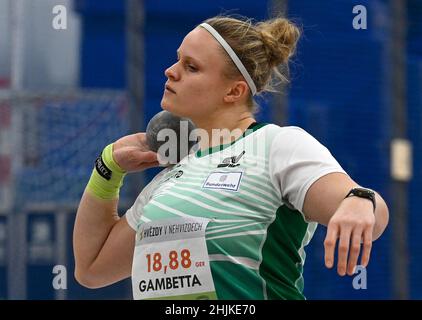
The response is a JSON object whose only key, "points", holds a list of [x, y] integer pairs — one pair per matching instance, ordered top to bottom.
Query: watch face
{"points": [[364, 192]]}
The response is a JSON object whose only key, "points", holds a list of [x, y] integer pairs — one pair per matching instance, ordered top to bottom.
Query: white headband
{"points": [[232, 55]]}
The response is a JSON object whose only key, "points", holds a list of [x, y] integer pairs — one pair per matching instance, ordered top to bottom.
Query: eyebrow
{"points": [[188, 57]]}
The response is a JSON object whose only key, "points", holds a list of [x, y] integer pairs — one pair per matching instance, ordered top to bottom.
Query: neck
{"points": [[223, 128]]}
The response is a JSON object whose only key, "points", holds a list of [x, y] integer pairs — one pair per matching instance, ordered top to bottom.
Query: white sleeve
{"points": [[296, 161], [134, 213]]}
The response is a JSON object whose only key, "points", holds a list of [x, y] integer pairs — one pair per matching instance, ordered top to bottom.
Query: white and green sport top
{"points": [[252, 190]]}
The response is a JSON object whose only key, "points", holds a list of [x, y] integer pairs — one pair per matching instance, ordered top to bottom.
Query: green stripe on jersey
{"points": [[282, 265]]}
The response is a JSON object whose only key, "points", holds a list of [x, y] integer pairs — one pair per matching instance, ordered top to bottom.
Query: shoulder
{"points": [[274, 129], [293, 130], [288, 135], [295, 143]]}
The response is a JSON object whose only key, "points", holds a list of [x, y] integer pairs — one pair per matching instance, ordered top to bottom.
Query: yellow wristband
{"points": [[107, 176]]}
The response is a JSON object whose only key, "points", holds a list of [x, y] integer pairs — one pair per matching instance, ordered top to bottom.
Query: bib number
{"points": [[171, 260]]}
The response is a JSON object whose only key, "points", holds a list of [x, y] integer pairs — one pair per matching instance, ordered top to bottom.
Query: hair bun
{"points": [[280, 37]]}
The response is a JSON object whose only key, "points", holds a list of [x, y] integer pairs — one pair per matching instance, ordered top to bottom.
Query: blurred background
{"points": [[72, 83]]}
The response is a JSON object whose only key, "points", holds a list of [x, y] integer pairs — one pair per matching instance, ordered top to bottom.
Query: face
{"points": [[196, 84]]}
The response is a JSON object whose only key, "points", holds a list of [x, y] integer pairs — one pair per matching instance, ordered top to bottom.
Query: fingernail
{"points": [[329, 264]]}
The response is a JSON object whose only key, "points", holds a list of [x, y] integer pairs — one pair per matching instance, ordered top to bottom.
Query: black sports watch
{"points": [[363, 193]]}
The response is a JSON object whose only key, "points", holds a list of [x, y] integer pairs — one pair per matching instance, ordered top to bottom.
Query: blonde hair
{"points": [[262, 47]]}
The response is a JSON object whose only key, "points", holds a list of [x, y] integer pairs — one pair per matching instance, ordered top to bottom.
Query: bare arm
{"points": [[350, 220], [103, 243]]}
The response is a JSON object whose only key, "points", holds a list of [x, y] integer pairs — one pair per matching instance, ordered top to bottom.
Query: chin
{"points": [[164, 105], [168, 108], [174, 109]]}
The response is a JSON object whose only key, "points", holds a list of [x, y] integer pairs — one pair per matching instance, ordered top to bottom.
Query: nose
{"points": [[171, 72]]}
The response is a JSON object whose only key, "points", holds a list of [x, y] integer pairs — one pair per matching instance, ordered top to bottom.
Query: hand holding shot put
{"points": [[132, 153]]}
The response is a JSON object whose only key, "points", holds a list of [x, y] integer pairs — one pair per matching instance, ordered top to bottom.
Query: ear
{"points": [[237, 91]]}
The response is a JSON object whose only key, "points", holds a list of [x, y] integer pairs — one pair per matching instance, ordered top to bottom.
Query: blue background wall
{"points": [[103, 47], [414, 96]]}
